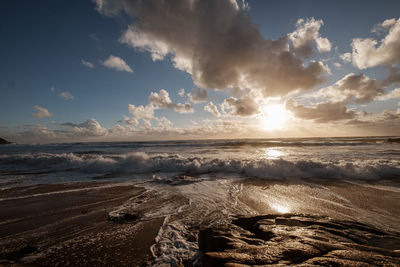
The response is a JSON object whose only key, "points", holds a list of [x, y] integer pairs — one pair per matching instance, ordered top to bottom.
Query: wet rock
{"points": [[124, 217], [301, 240], [22, 252]]}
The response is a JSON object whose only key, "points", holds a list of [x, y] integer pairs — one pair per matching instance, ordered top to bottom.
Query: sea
{"points": [[212, 181]]}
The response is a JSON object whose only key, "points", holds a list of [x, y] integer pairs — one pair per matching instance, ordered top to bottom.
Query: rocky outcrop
{"points": [[4, 142], [122, 217], [300, 240]]}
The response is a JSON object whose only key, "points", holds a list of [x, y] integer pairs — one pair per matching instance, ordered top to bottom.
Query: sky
{"points": [[131, 70]]}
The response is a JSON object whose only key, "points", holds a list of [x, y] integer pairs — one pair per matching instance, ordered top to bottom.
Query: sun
{"points": [[274, 117]]}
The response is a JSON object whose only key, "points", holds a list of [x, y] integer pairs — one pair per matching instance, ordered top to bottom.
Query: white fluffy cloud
{"points": [[306, 34], [216, 42], [323, 44], [370, 52], [346, 57], [117, 63], [87, 64], [337, 64], [353, 88], [181, 92], [395, 93], [66, 95], [162, 100], [212, 108], [41, 112], [141, 112], [144, 115], [90, 127], [38, 131]]}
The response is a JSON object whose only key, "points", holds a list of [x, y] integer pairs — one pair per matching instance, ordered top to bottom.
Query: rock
{"points": [[4, 142], [124, 217], [302, 240], [22, 252]]}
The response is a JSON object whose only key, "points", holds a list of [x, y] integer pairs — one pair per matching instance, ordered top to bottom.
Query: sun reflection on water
{"points": [[273, 153], [280, 208]]}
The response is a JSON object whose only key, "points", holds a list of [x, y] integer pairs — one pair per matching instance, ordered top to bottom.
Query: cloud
{"points": [[382, 27], [306, 33], [94, 37], [215, 42], [323, 44], [370, 52], [346, 57], [117, 63], [87, 64], [337, 64], [392, 78], [353, 88], [181, 92], [395, 93], [66, 95], [198, 95], [162, 100], [245, 106], [210, 107], [41, 112], [141, 112], [322, 112], [145, 114], [390, 115], [131, 121], [163, 123], [385, 123], [90, 127], [38, 131]]}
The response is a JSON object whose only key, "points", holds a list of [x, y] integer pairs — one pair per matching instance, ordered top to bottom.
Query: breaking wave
{"points": [[137, 163]]}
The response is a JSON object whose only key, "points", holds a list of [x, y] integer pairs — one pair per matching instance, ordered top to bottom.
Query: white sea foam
{"points": [[140, 162]]}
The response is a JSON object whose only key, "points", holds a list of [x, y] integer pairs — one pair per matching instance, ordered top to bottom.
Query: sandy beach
{"points": [[68, 224], [119, 224]]}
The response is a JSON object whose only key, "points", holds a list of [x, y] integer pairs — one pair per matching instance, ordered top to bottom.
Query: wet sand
{"points": [[374, 202], [68, 224], [105, 224]]}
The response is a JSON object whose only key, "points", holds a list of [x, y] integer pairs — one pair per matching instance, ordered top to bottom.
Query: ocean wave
{"points": [[295, 143], [136, 163]]}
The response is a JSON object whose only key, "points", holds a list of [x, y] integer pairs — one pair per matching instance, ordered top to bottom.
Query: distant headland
{"points": [[4, 142]]}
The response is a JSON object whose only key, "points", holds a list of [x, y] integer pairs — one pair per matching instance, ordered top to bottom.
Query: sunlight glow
{"points": [[274, 117], [273, 153], [279, 208]]}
